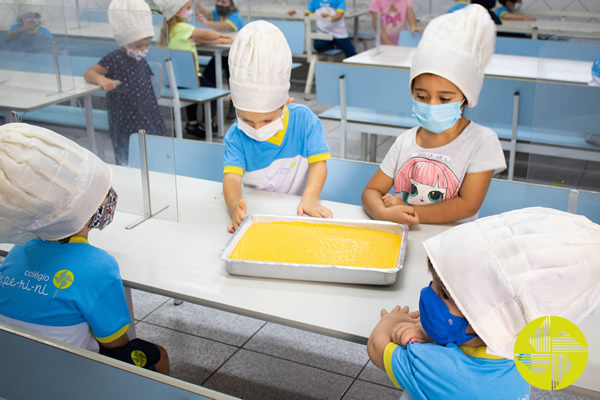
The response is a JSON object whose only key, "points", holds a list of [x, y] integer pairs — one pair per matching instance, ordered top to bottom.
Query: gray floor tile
{"points": [[144, 303], [205, 322], [308, 348], [192, 359], [373, 374], [255, 376], [361, 390], [538, 394]]}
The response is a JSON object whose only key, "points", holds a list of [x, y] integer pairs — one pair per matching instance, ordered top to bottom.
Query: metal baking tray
{"points": [[314, 272]]}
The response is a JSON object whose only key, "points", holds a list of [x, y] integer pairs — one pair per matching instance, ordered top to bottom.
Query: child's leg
{"points": [[323, 45], [346, 46], [120, 143]]}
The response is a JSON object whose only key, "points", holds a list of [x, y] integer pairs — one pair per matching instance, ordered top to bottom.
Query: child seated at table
{"points": [[487, 4], [507, 11], [394, 16], [332, 22], [177, 33], [20, 36], [132, 105], [274, 145], [441, 170], [490, 278], [55, 284]]}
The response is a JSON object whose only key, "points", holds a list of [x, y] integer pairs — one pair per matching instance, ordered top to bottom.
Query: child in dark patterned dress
{"points": [[132, 105]]}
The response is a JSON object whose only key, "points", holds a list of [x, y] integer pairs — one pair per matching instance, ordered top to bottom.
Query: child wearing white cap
{"points": [[29, 22], [177, 33], [132, 105], [274, 145], [441, 170], [491, 277], [54, 283]]}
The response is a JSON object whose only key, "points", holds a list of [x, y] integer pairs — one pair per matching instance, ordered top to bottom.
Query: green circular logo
{"points": [[62, 280], [551, 353], [138, 357]]}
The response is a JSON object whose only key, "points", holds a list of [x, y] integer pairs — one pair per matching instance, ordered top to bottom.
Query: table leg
{"points": [[356, 22], [219, 84], [89, 124], [129, 299]]}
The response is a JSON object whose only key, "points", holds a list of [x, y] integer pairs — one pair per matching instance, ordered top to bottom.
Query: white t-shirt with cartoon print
{"points": [[426, 176]]}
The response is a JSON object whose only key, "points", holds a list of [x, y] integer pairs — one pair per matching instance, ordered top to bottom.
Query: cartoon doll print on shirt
{"points": [[392, 21], [422, 181]]}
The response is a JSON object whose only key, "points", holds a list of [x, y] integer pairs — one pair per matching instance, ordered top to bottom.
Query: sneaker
{"points": [[196, 130]]}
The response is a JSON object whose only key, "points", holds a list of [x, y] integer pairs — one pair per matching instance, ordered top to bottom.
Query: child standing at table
{"points": [[507, 11], [332, 13], [394, 16], [179, 34], [132, 105], [274, 145], [441, 170], [53, 193], [491, 278]]}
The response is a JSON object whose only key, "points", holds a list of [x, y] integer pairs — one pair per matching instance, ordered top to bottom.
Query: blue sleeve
{"points": [[312, 5], [341, 5], [501, 11], [215, 16], [236, 20], [14, 27], [44, 32], [315, 143], [234, 150], [110, 313]]}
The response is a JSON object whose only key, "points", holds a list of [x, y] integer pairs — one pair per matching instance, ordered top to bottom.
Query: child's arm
{"points": [[202, 11], [335, 17], [205, 18], [412, 21], [12, 35], [383, 35], [207, 36], [95, 74], [317, 172], [232, 191], [373, 202], [466, 204], [405, 332], [381, 335]]}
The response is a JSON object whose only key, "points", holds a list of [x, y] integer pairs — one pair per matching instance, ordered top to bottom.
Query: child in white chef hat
{"points": [[274, 145], [52, 194], [491, 277]]}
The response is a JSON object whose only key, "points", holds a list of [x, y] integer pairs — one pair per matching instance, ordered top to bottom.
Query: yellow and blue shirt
{"points": [[502, 11], [234, 19], [335, 28], [279, 164], [70, 292], [432, 371]]}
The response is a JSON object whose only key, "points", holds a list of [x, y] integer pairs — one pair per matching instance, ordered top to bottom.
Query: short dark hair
{"points": [[503, 2]]}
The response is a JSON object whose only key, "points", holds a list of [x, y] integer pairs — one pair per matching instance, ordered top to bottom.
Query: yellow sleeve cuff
{"points": [[341, 11], [307, 12], [232, 26], [318, 157], [233, 170], [114, 336], [387, 362]]}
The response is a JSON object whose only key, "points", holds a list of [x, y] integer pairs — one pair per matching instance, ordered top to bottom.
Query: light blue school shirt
{"points": [[458, 6], [501, 11], [235, 19], [429, 371]]}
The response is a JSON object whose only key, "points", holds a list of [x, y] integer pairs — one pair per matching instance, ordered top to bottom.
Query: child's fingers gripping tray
{"points": [[316, 249]]}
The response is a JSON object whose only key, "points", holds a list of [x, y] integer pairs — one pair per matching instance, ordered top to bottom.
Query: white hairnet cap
{"points": [[169, 8], [130, 20], [457, 47], [260, 66], [49, 186], [506, 270]]}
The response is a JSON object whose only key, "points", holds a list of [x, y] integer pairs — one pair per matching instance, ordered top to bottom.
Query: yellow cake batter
{"points": [[313, 243]]}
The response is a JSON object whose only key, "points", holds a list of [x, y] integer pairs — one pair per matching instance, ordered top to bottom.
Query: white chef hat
{"points": [[29, 6], [168, 8], [130, 20], [457, 47], [260, 65], [49, 186], [507, 270]]}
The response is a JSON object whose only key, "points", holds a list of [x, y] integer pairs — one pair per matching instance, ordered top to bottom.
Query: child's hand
{"points": [[291, 12], [325, 15], [200, 17], [29, 26], [415, 29], [225, 39], [106, 84], [389, 200], [314, 209], [401, 215], [238, 216], [401, 314], [405, 332]]}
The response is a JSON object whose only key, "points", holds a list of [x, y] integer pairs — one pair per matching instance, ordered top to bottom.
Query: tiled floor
{"points": [[254, 359]]}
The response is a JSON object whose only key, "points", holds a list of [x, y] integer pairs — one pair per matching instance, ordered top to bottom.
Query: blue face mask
{"points": [[437, 118], [437, 321]]}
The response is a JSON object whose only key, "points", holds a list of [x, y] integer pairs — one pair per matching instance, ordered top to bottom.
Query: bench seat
{"points": [[67, 116]]}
